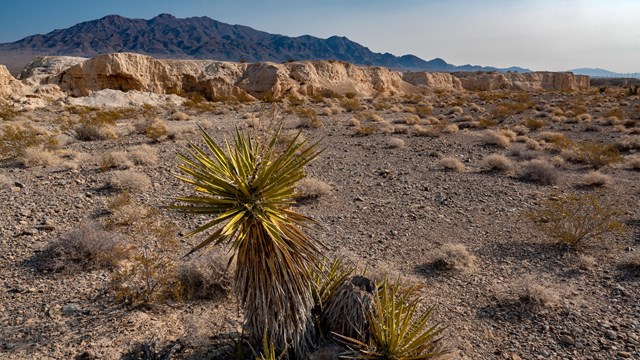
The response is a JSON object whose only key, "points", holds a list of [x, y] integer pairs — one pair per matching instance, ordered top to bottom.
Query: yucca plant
{"points": [[249, 190], [327, 279], [396, 331]]}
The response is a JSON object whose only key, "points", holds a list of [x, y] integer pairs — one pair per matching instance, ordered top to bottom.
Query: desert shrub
{"points": [[199, 103], [350, 105], [424, 110], [504, 110], [7, 112], [308, 117], [354, 122], [533, 124], [386, 127], [157, 130], [490, 137], [14, 139], [560, 141], [395, 143], [597, 154], [143, 155], [38, 156], [115, 160], [497, 162], [452, 164], [540, 172], [596, 179], [129, 180], [310, 188], [251, 189], [574, 219], [85, 248], [453, 257], [585, 262], [151, 274], [396, 331]]}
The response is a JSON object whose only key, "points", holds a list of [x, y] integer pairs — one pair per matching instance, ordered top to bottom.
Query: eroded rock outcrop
{"points": [[42, 68], [219, 80], [541, 80], [8, 84]]}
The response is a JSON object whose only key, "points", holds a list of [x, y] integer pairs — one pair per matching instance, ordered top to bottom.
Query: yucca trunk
{"points": [[273, 303]]}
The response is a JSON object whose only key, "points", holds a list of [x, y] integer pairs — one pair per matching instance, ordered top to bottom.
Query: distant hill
{"points": [[166, 36], [602, 73]]}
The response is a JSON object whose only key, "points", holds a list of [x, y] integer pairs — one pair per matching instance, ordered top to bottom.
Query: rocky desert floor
{"points": [[404, 184]]}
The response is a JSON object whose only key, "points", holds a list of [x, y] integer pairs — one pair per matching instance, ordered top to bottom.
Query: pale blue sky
{"points": [[536, 34]]}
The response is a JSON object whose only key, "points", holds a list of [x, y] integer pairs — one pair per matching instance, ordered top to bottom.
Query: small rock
{"points": [[19, 184], [46, 227], [70, 308], [611, 335], [567, 340], [624, 354]]}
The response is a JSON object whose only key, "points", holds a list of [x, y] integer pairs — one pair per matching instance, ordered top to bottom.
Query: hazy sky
{"points": [[535, 34]]}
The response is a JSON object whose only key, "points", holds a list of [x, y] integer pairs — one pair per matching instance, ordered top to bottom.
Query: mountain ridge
{"points": [[166, 36]]}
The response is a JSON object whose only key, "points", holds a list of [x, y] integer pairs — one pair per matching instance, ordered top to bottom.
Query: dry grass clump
{"points": [[350, 105], [477, 108], [456, 110], [180, 116], [308, 117], [584, 117], [412, 119], [353, 122], [533, 124], [386, 127], [451, 129], [157, 130], [365, 130], [430, 131], [491, 137], [559, 140], [395, 143], [143, 155], [38, 156], [115, 160], [497, 162], [633, 162], [452, 164], [540, 172], [596, 179], [129, 180], [5, 182], [310, 188], [124, 210], [85, 248], [454, 257], [631, 261], [585, 262], [204, 278], [535, 294]]}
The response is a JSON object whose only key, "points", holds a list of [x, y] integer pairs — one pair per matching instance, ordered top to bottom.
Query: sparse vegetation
{"points": [[597, 154], [497, 162], [452, 164], [540, 172], [574, 219]]}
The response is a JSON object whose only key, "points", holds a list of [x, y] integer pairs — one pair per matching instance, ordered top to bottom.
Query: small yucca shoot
{"points": [[248, 188], [397, 332]]}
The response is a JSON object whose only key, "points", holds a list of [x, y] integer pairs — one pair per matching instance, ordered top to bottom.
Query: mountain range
{"points": [[166, 36]]}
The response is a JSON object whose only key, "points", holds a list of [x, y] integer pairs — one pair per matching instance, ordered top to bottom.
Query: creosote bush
{"points": [[14, 139], [597, 154], [497, 162], [130, 181], [574, 219], [454, 257]]}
